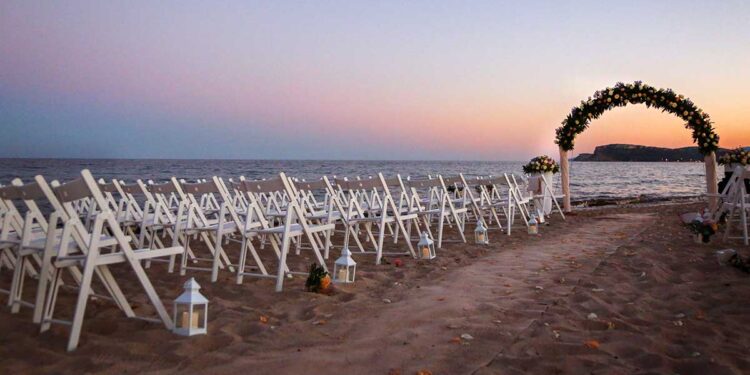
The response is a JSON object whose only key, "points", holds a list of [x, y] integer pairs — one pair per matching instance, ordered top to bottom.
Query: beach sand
{"points": [[608, 291]]}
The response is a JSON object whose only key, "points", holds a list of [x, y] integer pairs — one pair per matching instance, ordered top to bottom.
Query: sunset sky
{"points": [[470, 80]]}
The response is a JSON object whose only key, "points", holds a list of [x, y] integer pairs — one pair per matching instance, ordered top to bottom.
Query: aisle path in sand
{"points": [[499, 300]]}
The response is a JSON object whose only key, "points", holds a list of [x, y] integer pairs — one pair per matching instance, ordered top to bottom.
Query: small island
{"points": [[625, 152]]}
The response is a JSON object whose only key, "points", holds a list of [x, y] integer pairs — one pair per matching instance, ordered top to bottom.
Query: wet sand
{"points": [[608, 291]]}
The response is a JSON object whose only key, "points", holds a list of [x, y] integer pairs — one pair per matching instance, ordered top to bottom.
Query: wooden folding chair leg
{"points": [[441, 221], [381, 237], [247, 244], [219, 249], [281, 274], [16, 289], [49, 304], [80, 308]]}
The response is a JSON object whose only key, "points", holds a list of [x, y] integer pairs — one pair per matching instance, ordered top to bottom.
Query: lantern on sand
{"points": [[533, 225], [480, 234], [426, 247], [344, 268], [190, 311]]}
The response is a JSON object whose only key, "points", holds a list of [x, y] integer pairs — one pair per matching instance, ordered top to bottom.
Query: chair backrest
{"points": [[426, 183], [310, 185], [264, 186], [163, 188], [200, 188], [131, 189], [72, 191], [9, 193], [31, 193], [428, 193], [313, 195], [62, 197], [228, 201], [128, 208], [11, 219]]}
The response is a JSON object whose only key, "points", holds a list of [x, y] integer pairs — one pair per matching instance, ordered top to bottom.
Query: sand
{"points": [[608, 291]]}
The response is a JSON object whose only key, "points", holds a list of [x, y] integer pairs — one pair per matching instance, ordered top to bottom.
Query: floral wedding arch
{"points": [[637, 92]]}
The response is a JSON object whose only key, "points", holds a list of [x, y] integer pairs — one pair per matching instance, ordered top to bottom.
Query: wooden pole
{"points": [[565, 177], [712, 186]]}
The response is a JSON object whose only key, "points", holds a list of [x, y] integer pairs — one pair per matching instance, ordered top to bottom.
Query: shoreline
{"points": [[633, 201]]}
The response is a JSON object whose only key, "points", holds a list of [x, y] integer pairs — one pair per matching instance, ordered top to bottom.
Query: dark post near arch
{"points": [[637, 92]]}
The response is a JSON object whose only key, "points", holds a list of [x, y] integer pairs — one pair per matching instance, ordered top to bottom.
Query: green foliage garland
{"points": [[638, 93]]}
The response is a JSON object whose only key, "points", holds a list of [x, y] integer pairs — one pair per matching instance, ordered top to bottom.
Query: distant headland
{"points": [[624, 152]]}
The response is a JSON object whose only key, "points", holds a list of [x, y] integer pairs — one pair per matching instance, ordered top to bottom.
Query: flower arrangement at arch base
{"points": [[737, 156], [541, 164], [703, 229], [318, 280]]}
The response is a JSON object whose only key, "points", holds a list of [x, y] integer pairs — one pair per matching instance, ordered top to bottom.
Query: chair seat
{"points": [[445, 212], [335, 215], [371, 219], [228, 226], [295, 229], [119, 257]]}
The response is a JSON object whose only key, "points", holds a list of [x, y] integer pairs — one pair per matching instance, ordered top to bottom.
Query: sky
{"points": [[422, 80]]}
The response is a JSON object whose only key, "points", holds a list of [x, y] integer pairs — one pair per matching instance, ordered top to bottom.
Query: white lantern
{"points": [[533, 225], [480, 234], [426, 247], [344, 268], [190, 311]]}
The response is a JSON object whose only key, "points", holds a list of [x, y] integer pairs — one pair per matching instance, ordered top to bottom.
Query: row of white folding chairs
{"points": [[354, 203], [209, 211], [46, 248]]}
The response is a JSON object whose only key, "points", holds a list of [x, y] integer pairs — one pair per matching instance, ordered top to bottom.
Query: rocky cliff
{"points": [[622, 152]]}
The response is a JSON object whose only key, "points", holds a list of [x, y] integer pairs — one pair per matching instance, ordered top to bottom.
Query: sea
{"points": [[590, 181]]}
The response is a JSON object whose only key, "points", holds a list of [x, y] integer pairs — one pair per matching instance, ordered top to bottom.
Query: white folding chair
{"points": [[549, 194], [369, 202], [434, 202], [202, 219], [293, 224], [32, 240], [79, 247]]}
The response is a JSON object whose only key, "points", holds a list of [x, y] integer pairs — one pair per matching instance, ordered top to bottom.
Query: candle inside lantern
{"points": [[480, 237], [425, 252], [341, 275], [194, 320]]}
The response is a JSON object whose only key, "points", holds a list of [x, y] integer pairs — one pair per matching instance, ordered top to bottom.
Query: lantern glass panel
{"points": [[480, 237], [425, 251], [341, 273], [350, 274], [182, 316], [199, 316]]}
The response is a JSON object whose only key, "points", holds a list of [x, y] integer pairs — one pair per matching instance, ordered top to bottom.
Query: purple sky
{"points": [[356, 80]]}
